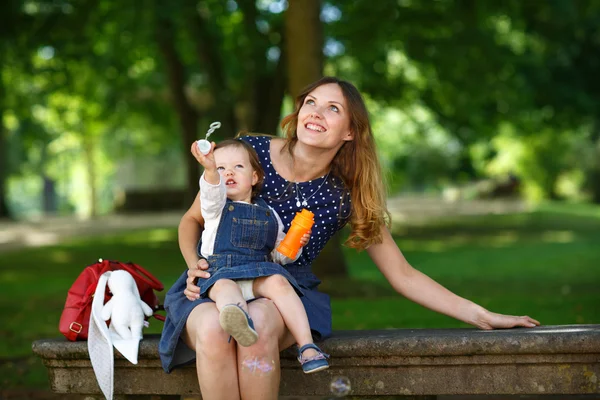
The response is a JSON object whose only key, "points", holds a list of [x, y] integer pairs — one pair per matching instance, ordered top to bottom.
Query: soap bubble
{"points": [[213, 126], [340, 386]]}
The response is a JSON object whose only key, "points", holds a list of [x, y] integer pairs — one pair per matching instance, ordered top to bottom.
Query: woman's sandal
{"points": [[235, 321], [313, 364]]}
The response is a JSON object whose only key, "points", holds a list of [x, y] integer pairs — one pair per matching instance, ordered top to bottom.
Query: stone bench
{"points": [[417, 363]]}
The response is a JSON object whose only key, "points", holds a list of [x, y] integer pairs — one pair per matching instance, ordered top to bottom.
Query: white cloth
{"points": [[212, 200], [101, 340], [100, 346]]}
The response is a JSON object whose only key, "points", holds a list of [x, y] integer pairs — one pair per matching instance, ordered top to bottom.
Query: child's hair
{"points": [[254, 161], [356, 164]]}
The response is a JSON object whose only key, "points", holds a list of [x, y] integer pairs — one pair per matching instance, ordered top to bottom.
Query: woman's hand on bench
{"points": [[491, 320]]}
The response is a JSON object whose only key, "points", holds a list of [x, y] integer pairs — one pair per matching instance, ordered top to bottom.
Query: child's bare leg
{"points": [[226, 291], [281, 292], [233, 312]]}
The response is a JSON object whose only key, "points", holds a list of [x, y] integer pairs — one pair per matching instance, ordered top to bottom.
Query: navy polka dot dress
{"points": [[325, 197]]}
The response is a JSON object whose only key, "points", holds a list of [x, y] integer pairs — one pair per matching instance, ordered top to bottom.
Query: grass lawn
{"points": [[544, 263]]}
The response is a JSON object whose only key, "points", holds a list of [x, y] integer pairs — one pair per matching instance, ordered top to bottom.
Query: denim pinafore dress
{"points": [[246, 236], [245, 239]]}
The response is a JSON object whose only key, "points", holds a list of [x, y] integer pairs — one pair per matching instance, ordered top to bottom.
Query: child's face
{"points": [[233, 164]]}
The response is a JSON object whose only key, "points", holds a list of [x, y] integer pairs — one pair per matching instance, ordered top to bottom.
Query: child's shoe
{"points": [[235, 321], [313, 364]]}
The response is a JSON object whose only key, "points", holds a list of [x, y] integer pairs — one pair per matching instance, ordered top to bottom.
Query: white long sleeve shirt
{"points": [[212, 200]]}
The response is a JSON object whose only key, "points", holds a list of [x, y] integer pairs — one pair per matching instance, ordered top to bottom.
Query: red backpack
{"points": [[75, 318]]}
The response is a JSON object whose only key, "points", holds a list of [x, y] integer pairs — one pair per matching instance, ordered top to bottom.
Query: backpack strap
{"points": [[143, 274]]}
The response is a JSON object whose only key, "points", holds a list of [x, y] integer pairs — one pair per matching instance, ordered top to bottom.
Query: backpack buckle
{"points": [[77, 325]]}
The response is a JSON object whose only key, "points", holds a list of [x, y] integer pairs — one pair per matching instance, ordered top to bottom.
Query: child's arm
{"points": [[213, 193], [212, 198], [277, 256]]}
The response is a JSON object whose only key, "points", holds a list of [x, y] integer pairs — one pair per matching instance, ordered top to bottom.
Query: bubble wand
{"points": [[203, 144]]}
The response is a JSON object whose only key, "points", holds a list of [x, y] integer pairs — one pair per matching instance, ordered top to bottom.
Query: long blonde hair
{"points": [[356, 164]]}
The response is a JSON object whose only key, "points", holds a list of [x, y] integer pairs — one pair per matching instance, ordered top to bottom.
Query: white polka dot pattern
{"points": [[330, 203]]}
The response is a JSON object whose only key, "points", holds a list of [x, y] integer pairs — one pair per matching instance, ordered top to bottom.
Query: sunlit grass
{"points": [[545, 264]]}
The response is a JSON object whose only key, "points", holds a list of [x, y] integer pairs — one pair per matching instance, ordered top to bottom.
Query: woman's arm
{"points": [[190, 228], [423, 290]]}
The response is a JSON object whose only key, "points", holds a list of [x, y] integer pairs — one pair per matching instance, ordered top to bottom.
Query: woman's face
{"points": [[324, 118]]}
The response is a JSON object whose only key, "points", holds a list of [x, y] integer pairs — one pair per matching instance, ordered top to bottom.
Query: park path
{"points": [[52, 230], [15, 235]]}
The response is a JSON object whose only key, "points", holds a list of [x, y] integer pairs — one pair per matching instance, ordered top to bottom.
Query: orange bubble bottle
{"points": [[301, 224]]}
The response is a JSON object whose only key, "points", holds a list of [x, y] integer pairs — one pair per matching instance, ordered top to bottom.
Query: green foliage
{"points": [[478, 66], [95, 76], [93, 85], [74, 102], [415, 150], [540, 160]]}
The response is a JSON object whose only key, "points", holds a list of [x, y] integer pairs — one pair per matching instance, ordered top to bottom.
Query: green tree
{"points": [[304, 38], [478, 65], [239, 75]]}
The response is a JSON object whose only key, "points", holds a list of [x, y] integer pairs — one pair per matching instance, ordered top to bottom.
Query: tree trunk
{"points": [[304, 39], [304, 45], [207, 47], [264, 83], [268, 111], [188, 117], [88, 149], [593, 172], [594, 184], [48, 186], [49, 204], [4, 212]]}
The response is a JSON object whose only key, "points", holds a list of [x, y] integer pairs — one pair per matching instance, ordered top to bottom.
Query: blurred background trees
{"points": [[100, 100]]}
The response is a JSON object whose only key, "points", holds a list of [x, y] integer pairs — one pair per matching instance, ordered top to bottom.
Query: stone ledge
{"points": [[543, 360]]}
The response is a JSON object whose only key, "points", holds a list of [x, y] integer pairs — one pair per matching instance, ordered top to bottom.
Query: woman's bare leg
{"points": [[281, 291], [216, 359], [258, 365]]}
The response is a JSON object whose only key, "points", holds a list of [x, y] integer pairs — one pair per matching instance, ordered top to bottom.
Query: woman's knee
{"points": [[267, 321], [205, 332]]}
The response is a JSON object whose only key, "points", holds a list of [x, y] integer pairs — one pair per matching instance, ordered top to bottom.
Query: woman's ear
{"points": [[349, 136]]}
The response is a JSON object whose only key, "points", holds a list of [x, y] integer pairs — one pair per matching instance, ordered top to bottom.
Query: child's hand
{"points": [[208, 160], [305, 238]]}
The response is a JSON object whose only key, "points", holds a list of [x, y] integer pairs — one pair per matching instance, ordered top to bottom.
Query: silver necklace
{"points": [[299, 194]]}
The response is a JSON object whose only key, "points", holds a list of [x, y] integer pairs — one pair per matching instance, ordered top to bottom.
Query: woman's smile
{"points": [[315, 127]]}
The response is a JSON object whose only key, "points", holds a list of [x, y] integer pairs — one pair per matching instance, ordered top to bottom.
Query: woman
{"points": [[327, 163]]}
